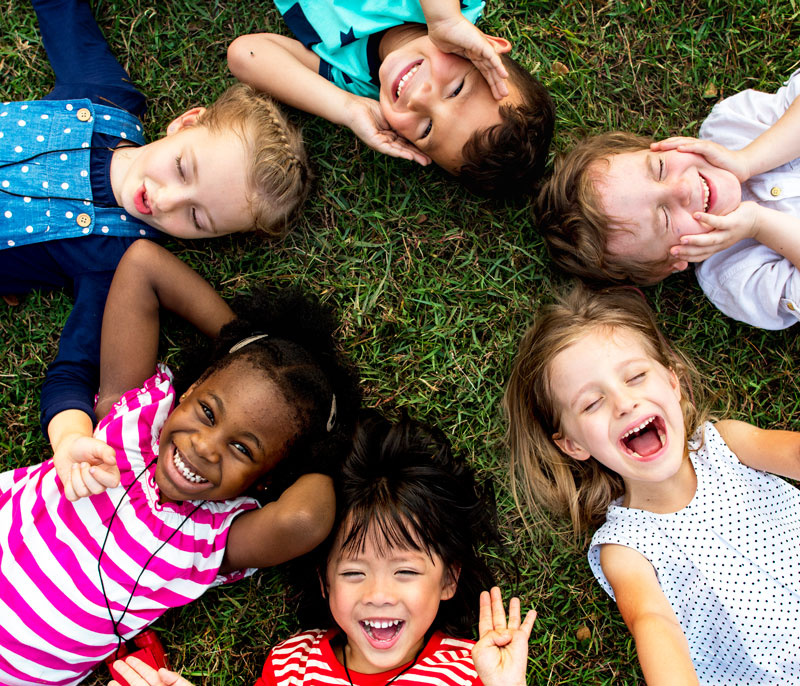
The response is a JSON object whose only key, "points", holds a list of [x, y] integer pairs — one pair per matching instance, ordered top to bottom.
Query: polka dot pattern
{"points": [[64, 176], [729, 564]]}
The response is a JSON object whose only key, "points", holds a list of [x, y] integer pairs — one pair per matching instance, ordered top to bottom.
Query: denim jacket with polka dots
{"points": [[45, 147]]}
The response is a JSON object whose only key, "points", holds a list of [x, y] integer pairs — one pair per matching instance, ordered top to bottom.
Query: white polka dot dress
{"points": [[729, 564]]}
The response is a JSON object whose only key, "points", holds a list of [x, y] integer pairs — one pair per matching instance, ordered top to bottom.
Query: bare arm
{"points": [[287, 70], [149, 277], [772, 451], [284, 529], [660, 642]]}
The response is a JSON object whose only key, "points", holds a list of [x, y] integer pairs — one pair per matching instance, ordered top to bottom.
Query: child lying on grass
{"points": [[445, 91], [78, 185], [622, 208]]}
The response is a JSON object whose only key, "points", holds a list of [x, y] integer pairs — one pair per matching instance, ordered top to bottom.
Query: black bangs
{"points": [[387, 526]]}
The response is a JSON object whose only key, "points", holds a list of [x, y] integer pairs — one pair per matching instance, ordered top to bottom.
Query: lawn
{"points": [[434, 286]]}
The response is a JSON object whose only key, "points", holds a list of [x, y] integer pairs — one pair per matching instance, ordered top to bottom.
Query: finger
{"points": [[672, 142], [692, 253], [105, 478], [76, 480], [89, 480], [69, 491], [498, 611], [513, 613], [485, 616], [527, 624], [141, 671], [131, 675], [172, 678]]}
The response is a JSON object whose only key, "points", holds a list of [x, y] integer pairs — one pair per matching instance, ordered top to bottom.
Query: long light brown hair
{"points": [[543, 477]]}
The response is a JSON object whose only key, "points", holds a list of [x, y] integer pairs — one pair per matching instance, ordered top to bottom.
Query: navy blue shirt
{"points": [[84, 68]]}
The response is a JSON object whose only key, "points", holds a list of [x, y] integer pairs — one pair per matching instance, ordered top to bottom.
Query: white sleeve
{"points": [[753, 284]]}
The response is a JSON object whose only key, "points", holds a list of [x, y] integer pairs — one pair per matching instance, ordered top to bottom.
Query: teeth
{"points": [[405, 78], [706, 193], [640, 427], [662, 437], [188, 474], [381, 623]]}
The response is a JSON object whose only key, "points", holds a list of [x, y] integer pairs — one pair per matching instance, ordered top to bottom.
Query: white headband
{"points": [[247, 341]]}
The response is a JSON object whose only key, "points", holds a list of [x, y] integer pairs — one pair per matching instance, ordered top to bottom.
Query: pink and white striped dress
{"points": [[54, 623]]}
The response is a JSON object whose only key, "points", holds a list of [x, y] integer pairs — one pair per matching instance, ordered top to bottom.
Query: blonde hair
{"points": [[279, 175], [573, 223], [544, 478]]}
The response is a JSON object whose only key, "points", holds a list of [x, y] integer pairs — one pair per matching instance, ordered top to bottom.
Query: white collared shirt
{"points": [[749, 281]]}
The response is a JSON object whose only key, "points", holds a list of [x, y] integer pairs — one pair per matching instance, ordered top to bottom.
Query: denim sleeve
{"points": [[81, 58], [73, 377]]}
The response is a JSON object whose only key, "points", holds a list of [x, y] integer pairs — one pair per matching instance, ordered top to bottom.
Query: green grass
{"points": [[434, 285]]}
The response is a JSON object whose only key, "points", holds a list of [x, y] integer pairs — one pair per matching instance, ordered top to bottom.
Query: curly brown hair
{"points": [[508, 159], [279, 174], [573, 223]]}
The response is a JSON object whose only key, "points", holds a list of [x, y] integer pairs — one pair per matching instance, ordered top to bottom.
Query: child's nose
{"points": [[420, 97], [682, 190], [170, 198], [624, 402], [205, 445], [378, 592]]}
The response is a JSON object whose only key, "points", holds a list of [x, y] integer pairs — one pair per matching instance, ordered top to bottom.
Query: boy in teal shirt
{"points": [[445, 91]]}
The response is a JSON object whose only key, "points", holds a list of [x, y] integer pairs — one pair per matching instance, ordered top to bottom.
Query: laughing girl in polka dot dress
{"points": [[78, 185], [699, 543]]}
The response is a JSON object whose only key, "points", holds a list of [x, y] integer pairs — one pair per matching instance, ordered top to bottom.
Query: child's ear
{"points": [[501, 45], [187, 119], [679, 266], [187, 392], [570, 447], [450, 582]]}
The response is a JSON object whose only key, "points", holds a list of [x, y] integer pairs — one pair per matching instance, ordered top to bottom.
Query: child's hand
{"points": [[458, 36], [365, 119], [734, 161], [727, 229], [85, 465], [501, 655], [138, 673]]}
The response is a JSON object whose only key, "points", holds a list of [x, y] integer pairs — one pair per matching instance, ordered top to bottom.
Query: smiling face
{"points": [[438, 100], [192, 183], [652, 197], [619, 406], [229, 430], [385, 602]]}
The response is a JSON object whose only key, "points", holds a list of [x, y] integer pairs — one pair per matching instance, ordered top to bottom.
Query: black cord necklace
{"points": [[117, 622], [393, 679]]}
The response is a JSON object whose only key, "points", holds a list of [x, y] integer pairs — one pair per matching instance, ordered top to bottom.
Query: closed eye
{"points": [[457, 90], [427, 130], [179, 165], [660, 168], [637, 378], [592, 405], [407, 572]]}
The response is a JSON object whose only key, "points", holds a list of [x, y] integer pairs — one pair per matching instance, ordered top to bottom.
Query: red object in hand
{"points": [[148, 650]]}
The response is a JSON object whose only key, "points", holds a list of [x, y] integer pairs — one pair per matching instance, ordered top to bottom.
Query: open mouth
{"points": [[405, 76], [708, 193], [141, 201], [643, 442], [184, 470], [382, 630]]}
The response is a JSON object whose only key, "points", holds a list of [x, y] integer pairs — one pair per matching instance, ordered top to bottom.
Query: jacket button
{"points": [[84, 114], [775, 191], [83, 219]]}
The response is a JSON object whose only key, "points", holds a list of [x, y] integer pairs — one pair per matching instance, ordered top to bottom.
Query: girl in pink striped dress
{"points": [[165, 509], [400, 578]]}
